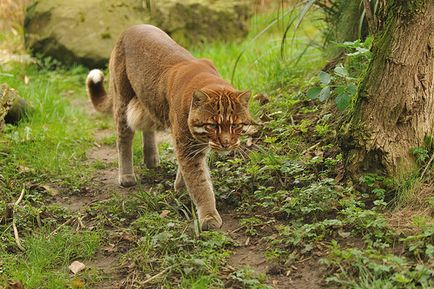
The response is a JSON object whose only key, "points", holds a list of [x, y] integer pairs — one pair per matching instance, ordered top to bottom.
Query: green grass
{"points": [[261, 67], [54, 139], [46, 149], [286, 190], [45, 264]]}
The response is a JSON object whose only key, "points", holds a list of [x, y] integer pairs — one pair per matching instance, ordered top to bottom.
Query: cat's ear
{"points": [[199, 97], [244, 97]]}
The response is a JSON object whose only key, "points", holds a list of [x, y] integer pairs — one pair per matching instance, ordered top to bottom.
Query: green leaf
{"points": [[359, 51], [341, 71], [324, 77], [340, 89], [352, 89], [313, 92], [324, 94], [343, 101], [429, 250], [401, 278]]}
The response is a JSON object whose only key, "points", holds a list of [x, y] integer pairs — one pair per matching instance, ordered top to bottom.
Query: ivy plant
{"points": [[338, 84]]}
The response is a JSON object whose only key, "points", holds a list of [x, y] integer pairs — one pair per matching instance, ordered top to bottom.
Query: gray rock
{"points": [[84, 31], [13, 107]]}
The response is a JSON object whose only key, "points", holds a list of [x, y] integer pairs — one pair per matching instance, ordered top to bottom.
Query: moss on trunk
{"points": [[395, 106]]}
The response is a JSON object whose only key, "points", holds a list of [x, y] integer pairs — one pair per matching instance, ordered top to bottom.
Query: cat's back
{"points": [[153, 45]]}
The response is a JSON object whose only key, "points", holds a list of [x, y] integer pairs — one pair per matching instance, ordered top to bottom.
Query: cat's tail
{"points": [[95, 90]]}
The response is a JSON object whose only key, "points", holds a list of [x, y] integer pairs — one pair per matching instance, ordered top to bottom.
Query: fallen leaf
{"points": [[26, 79], [261, 98], [249, 142], [24, 169], [49, 189], [164, 213], [344, 234], [127, 237], [247, 242], [110, 248], [76, 267], [15, 285]]}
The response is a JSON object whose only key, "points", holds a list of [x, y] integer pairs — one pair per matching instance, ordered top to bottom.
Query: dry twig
{"points": [[310, 148], [427, 166], [14, 221], [61, 226], [155, 276]]}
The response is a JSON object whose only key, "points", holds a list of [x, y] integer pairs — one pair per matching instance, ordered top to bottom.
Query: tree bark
{"points": [[394, 109]]}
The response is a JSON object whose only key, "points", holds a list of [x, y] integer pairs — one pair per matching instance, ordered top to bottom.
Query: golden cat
{"points": [[154, 84]]}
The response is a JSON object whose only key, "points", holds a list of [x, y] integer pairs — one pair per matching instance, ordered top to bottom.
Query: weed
{"points": [[285, 186], [372, 269], [246, 278]]}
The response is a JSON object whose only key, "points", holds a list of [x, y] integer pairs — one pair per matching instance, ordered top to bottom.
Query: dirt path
{"points": [[250, 251]]}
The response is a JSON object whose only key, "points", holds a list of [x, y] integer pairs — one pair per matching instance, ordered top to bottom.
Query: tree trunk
{"points": [[394, 110]]}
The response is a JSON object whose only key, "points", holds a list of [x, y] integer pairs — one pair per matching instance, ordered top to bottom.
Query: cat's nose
{"points": [[225, 140], [226, 144]]}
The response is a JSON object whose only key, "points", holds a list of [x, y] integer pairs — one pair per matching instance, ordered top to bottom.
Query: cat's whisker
{"points": [[198, 145], [254, 147], [249, 150], [200, 151], [240, 152], [243, 153], [191, 155]]}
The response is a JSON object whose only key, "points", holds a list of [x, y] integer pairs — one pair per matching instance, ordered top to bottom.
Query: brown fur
{"points": [[155, 84]]}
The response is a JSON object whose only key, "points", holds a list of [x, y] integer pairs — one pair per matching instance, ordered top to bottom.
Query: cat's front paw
{"points": [[127, 180], [211, 221]]}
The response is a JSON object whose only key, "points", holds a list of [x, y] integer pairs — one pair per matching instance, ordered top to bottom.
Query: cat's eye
{"points": [[236, 125], [212, 126]]}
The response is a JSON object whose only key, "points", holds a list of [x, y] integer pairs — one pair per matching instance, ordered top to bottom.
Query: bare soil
{"points": [[250, 251]]}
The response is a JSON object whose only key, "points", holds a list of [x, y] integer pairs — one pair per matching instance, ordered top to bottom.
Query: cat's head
{"points": [[220, 117]]}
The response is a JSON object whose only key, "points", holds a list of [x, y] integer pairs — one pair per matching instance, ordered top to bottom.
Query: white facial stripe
{"points": [[199, 129]]}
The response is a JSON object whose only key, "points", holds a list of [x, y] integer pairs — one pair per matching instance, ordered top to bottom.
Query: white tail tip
{"points": [[95, 75]]}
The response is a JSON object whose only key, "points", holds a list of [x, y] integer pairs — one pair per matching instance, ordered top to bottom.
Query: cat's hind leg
{"points": [[122, 93], [139, 119], [124, 143], [150, 149]]}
